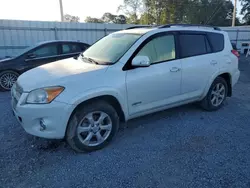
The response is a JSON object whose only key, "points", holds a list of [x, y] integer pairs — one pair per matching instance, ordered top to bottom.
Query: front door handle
{"points": [[175, 69]]}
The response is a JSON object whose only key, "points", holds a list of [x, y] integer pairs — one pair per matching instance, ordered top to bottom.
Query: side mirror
{"points": [[31, 56], [141, 61]]}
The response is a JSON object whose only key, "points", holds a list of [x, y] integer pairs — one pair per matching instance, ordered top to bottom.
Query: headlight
{"points": [[44, 95]]}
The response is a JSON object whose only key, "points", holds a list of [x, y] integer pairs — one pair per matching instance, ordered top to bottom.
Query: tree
{"points": [[131, 8], [245, 11], [213, 12], [70, 18], [108, 18], [111, 18], [120, 19], [93, 20]]}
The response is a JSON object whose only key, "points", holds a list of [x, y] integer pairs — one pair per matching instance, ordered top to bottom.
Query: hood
{"points": [[61, 73]]}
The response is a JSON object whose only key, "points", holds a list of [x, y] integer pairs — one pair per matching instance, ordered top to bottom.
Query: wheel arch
{"points": [[13, 70], [228, 78], [111, 99]]}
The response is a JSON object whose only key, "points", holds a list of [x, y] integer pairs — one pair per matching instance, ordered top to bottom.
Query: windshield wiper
{"points": [[89, 60], [93, 61]]}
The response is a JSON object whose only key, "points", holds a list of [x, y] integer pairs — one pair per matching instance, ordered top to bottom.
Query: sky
{"points": [[48, 10]]}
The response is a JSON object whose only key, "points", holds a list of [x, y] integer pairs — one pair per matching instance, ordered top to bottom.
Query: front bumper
{"points": [[54, 117]]}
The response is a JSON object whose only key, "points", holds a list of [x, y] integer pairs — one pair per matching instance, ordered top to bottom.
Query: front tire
{"points": [[7, 79], [216, 95], [92, 126]]}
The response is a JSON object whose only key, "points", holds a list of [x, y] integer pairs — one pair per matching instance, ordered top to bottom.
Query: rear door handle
{"points": [[213, 62], [175, 69]]}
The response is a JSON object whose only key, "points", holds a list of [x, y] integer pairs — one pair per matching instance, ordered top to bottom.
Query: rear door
{"points": [[222, 51], [41, 55], [199, 64]]}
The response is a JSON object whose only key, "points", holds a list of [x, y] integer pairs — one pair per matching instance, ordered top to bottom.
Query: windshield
{"points": [[110, 48]]}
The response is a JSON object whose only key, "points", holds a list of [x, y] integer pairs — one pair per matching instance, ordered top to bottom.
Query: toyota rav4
{"points": [[124, 75]]}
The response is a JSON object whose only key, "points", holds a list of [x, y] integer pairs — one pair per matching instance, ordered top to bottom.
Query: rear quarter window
{"points": [[217, 41]]}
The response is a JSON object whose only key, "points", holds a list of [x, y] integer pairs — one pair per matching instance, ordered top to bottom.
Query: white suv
{"points": [[124, 75]]}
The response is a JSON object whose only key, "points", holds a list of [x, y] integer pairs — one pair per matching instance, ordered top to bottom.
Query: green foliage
{"points": [[132, 9], [245, 11], [213, 12], [70, 18], [108, 18], [93, 20]]}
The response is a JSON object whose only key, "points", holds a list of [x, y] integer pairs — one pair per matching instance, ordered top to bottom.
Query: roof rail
{"points": [[189, 25], [140, 26]]}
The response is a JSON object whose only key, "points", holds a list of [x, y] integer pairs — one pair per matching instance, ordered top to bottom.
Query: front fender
{"points": [[99, 92]]}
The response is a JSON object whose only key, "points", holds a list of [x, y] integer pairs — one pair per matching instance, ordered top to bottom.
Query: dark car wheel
{"points": [[7, 79], [216, 95], [92, 126]]}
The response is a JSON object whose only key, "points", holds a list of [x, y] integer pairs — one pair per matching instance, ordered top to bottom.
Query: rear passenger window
{"points": [[217, 41], [192, 45], [70, 48], [75, 48], [66, 49], [209, 50]]}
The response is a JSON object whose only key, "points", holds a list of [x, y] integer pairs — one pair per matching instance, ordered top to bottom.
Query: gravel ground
{"points": [[180, 147]]}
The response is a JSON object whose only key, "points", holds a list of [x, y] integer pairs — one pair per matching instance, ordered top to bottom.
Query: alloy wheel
{"points": [[7, 80], [218, 94], [94, 128]]}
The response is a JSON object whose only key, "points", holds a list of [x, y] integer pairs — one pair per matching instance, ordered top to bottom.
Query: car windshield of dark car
{"points": [[110, 48]]}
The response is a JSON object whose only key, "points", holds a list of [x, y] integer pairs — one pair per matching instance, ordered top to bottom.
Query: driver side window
{"points": [[159, 49]]}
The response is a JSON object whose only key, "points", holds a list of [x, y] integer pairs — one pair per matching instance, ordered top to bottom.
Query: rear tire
{"points": [[7, 79], [216, 95], [92, 126]]}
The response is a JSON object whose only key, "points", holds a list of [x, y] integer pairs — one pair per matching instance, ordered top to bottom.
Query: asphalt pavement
{"points": [[179, 147]]}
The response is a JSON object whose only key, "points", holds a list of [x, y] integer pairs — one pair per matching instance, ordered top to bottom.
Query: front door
{"points": [[44, 54], [154, 86]]}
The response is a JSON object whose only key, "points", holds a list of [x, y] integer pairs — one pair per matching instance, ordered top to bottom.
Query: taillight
{"points": [[236, 53]]}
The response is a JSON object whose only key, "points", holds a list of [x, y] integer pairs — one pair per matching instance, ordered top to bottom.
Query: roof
{"points": [[146, 28], [137, 30], [52, 41]]}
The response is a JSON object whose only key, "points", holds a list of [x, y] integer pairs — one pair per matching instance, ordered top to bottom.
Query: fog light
{"points": [[42, 125]]}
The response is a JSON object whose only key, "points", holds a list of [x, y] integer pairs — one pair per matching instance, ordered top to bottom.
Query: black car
{"points": [[35, 56]]}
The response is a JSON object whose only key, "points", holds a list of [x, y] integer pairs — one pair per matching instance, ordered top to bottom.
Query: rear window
{"points": [[217, 41], [193, 44], [70, 48]]}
